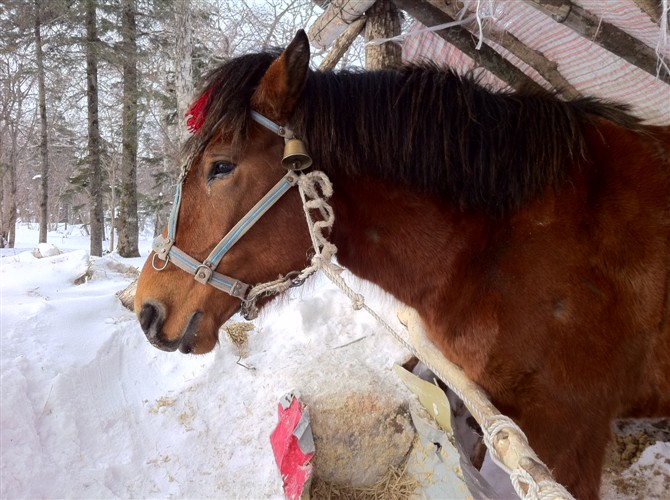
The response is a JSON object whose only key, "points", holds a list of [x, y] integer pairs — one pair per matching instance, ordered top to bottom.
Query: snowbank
{"points": [[90, 409]]}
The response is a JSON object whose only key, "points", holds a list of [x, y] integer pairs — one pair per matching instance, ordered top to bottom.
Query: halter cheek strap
{"points": [[204, 272]]}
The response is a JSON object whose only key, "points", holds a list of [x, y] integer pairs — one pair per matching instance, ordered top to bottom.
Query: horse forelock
{"points": [[223, 102]]}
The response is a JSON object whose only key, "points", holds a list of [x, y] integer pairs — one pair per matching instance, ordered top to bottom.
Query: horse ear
{"points": [[280, 87]]}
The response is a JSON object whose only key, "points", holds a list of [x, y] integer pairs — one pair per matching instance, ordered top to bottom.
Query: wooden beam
{"points": [[650, 7], [335, 19], [383, 21], [608, 36], [342, 44], [486, 57], [534, 58]]}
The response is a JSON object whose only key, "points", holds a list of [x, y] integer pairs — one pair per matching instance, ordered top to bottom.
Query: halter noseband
{"points": [[204, 272]]}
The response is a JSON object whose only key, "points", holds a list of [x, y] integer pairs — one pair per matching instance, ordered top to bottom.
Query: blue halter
{"points": [[204, 272]]}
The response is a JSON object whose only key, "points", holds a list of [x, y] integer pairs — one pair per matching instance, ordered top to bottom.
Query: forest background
{"points": [[93, 98]]}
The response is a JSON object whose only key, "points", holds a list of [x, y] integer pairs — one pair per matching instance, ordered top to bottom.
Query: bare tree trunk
{"points": [[383, 21], [183, 71], [12, 104], [44, 150], [4, 170], [95, 185], [112, 204], [11, 219], [128, 220], [3, 221], [10, 228]]}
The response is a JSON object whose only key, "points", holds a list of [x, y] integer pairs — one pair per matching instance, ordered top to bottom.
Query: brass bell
{"points": [[296, 156]]}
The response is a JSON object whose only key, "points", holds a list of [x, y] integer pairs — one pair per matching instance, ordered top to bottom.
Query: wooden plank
{"points": [[335, 19], [608, 36], [342, 44], [487, 57], [535, 59]]}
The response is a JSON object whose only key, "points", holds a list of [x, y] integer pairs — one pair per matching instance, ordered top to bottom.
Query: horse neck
{"points": [[395, 238]]}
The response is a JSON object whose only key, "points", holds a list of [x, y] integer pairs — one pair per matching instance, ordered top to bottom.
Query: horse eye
{"points": [[221, 169]]}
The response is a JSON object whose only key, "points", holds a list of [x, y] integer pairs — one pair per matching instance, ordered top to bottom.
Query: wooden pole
{"points": [[652, 8], [335, 19], [383, 21], [608, 36], [461, 38], [342, 44], [535, 59], [510, 445]]}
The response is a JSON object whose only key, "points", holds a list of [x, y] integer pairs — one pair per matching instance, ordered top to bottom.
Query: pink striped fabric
{"points": [[591, 69]]}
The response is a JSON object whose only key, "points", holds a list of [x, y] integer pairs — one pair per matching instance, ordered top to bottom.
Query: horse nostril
{"points": [[148, 316], [151, 319]]}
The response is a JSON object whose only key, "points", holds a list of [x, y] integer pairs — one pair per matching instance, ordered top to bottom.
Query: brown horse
{"points": [[531, 234]]}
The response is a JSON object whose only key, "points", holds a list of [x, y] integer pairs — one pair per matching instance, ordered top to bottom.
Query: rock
{"points": [[360, 422]]}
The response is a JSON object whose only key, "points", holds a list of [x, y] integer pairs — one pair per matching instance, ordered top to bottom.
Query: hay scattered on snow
{"points": [[238, 333], [395, 485]]}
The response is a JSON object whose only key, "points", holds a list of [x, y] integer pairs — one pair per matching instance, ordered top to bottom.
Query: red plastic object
{"points": [[293, 463]]}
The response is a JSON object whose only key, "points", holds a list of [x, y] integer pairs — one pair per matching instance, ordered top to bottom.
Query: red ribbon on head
{"points": [[195, 116]]}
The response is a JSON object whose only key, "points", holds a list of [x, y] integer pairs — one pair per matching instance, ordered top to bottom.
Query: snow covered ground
{"points": [[91, 410]]}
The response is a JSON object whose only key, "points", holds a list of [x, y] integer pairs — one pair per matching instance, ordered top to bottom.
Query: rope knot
{"points": [[310, 181], [357, 302]]}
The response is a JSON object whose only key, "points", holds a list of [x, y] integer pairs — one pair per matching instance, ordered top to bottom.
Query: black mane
{"points": [[424, 127]]}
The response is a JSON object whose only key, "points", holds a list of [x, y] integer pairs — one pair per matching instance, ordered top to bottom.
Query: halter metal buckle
{"points": [[161, 247], [153, 262], [203, 273]]}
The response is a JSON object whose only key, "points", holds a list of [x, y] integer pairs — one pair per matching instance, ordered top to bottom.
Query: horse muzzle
{"points": [[152, 318]]}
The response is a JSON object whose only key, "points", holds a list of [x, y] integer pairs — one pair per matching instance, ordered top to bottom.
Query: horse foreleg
{"points": [[571, 442]]}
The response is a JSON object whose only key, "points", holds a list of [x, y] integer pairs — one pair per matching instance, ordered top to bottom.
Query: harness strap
{"points": [[280, 130], [172, 222], [245, 223], [200, 272], [204, 272]]}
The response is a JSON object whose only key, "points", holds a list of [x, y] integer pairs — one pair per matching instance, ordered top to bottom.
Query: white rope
{"points": [[437, 27], [662, 45], [315, 188]]}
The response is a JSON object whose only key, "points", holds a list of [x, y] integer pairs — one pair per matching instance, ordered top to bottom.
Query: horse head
{"points": [[234, 161]]}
